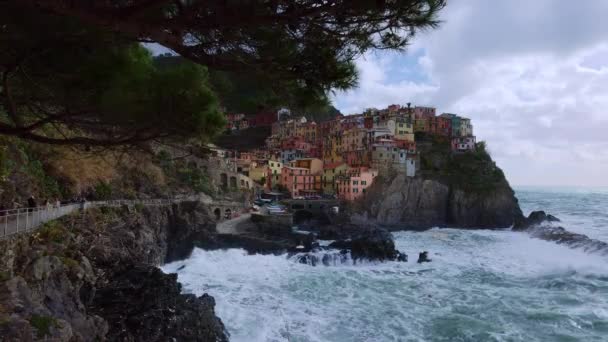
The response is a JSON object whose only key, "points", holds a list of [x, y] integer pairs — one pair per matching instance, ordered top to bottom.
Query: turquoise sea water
{"points": [[481, 286]]}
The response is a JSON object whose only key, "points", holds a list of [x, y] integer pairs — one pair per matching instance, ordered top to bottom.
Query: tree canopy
{"points": [[73, 72], [65, 84]]}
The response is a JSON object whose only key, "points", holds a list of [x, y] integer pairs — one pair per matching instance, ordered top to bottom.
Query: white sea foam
{"points": [[481, 286]]}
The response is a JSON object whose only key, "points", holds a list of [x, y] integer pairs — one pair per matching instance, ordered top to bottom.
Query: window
{"points": [[401, 155], [355, 182], [363, 182]]}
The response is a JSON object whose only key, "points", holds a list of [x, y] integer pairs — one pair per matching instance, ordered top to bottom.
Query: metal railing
{"points": [[25, 219], [14, 221]]}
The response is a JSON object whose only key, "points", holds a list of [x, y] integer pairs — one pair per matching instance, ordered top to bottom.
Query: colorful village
{"points": [[341, 157]]}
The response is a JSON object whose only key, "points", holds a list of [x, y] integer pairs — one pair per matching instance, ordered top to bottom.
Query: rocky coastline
{"points": [[402, 202], [546, 227], [94, 276]]}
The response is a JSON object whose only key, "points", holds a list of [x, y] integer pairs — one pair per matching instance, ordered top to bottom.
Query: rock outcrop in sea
{"points": [[463, 190], [546, 227], [94, 277]]}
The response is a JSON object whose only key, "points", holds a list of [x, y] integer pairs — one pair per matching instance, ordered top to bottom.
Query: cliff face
{"points": [[464, 191], [94, 276]]}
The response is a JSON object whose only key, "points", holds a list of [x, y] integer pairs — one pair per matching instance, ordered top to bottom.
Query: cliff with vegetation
{"points": [[464, 190], [95, 276]]}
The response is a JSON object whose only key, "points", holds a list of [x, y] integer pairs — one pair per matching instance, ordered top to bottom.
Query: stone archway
{"points": [[218, 214], [301, 216]]}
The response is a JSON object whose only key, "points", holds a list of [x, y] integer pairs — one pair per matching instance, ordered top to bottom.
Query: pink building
{"points": [[424, 112], [295, 143], [299, 181], [355, 184]]}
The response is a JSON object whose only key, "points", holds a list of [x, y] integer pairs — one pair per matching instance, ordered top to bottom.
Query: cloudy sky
{"points": [[533, 76]]}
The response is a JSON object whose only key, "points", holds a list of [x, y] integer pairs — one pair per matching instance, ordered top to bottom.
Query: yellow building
{"points": [[421, 125], [404, 130], [307, 131], [353, 139], [332, 148], [314, 165], [275, 167], [330, 172], [258, 173]]}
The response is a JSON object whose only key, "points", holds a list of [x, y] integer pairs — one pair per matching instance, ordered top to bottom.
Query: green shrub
{"points": [[194, 178], [103, 191], [138, 207], [52, 231], [69, 262], [42, 324]]}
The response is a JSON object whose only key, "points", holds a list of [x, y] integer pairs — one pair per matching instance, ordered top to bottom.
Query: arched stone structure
{"points": [[217, 213], [302, 216]]}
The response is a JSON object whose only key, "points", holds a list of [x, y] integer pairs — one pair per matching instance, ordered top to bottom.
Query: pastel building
{"points": [[424, 112], [456, 120], [421, 125], [440, 126], [466, 128], [404, 130], [353, 139], [463, 144], [290, 155], [314, 165], [331, 171], [258, 172], [273, 174], [298, 181], [355, 184]]}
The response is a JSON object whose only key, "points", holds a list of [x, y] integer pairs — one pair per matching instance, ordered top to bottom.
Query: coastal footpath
{"points": [[94, 276]]}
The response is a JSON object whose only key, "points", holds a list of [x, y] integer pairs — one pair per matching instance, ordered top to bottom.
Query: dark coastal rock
{"points": [[417, 203], [535, 218], [191, 224], [540, 225], [573, 240], [253, 244], [373, 244], [402, 257], [423, 257], [94, 277], [144, 304]]}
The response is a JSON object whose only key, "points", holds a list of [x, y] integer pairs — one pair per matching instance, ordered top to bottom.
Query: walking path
{"points": [[21, 220], [230, 226]]}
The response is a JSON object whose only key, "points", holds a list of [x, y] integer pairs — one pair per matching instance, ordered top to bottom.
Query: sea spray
{"points": [[481, 286]]}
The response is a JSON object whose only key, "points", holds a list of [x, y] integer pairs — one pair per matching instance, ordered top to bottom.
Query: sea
{"points": [[482, 285]]}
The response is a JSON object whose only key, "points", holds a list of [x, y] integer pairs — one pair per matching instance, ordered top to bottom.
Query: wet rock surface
{"points": [[416, 204], [544, 226], [375, 244], [94, 277], [144, 304]]}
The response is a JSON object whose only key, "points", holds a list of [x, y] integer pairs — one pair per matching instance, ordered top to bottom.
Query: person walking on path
{"points": [[31, 203]]}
